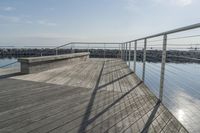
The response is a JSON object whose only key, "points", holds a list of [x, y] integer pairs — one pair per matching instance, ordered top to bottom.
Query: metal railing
{"points": [[96, 49], [124, 49], [164, 49], [170, 68]]}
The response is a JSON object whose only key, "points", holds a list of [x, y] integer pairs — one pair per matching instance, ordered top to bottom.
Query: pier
{"points": [[75, 92], [96, 95]]}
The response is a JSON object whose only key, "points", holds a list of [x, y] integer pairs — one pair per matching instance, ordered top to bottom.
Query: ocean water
{"points": [[5, 61], [181, 89]]}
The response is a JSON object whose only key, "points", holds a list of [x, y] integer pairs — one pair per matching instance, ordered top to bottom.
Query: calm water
{"points": [[4, 61], [181, 89]]}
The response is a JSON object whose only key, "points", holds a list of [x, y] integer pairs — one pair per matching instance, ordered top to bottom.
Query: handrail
{"points": [[190, 27], [87, 43], [62, 45], [164, 51]]}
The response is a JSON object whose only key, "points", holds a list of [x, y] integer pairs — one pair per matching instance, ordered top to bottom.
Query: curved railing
{"points": [[169, 64]]}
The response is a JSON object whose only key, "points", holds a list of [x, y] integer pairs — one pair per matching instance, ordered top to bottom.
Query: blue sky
{"points": [[54, 22]]}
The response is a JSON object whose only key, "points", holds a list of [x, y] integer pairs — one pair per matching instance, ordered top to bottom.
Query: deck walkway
{"points": [[93, 96]]}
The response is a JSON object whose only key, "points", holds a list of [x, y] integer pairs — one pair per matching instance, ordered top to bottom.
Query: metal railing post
{"points": [[121, 45], [71, 49], [104, 50], [126, 50], [56, 51], [123, 51], [41, 53], [119, 53], [135, 56], [129, 59], [144, 59], [162, 75]]}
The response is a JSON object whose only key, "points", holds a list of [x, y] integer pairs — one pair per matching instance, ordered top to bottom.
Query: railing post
{"points": [[121, 45], [71, 49], [104, 50], [41, 51], [56, 51], [123, 51], [126, 51], [119, 53], [135, 56], [129, 59], [144, 59], [162, 75]]}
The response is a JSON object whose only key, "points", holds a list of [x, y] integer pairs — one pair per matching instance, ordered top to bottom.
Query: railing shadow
{"points": [[117, 64], [116, 70], [10, 75], [102, 86], [112, 104], [151, 117], [86, 121]]}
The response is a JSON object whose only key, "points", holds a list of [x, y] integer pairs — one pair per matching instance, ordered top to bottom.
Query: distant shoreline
{"points": [[152, 55]]}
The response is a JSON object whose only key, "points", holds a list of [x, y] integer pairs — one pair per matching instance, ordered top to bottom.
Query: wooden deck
{"points": [[93, 96]]}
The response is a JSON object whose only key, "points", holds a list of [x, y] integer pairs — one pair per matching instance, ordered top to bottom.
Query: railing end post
{"points": [[162, 74]]}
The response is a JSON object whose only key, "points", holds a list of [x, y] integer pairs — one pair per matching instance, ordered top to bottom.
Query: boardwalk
{"points": [[93, 96]]}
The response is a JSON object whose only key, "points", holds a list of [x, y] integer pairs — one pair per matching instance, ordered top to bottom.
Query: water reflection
{"points": [[4, 61], [8, 70], [181, 90], [186, 109], [180, 114]]}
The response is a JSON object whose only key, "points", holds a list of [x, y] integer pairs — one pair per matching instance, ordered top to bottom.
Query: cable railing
{"points": [[96, 49], [164, 49], [170, 67]]}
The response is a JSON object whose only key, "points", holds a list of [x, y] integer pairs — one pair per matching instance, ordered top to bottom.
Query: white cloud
{"points": [[180, 3], [132, 5], [8, 9], [50, 9], [9, 19], [14, 19], [28, 21], [44, 22], [51, 24]]}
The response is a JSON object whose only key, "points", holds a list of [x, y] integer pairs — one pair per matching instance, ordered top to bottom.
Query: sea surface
{"points": [[5, 61], [181, 88]]}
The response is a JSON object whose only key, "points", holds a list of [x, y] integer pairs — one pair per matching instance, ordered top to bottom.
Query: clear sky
{"points": [[54, 22]]}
